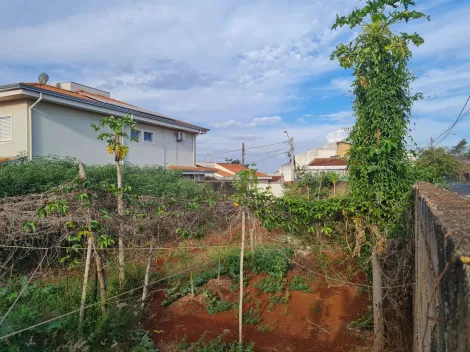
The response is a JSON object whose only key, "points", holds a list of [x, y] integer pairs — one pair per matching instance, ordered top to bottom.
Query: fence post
{"points": [[240, 305]]}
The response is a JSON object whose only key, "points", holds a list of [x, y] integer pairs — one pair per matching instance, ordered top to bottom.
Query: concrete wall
{"points": [[18, 110], [64, 131], [327, 151], [276, 189], [442, 247]]}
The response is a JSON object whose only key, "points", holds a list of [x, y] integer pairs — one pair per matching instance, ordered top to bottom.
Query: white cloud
{"points": [[339, 116], [265, 121], [227, 124], [336, 136]]}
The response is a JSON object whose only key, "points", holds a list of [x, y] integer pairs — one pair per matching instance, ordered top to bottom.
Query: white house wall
{"points": [[18, 110], [64, 131]]}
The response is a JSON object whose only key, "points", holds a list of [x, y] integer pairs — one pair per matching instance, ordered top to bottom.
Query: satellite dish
{"points": [[43, 78]]}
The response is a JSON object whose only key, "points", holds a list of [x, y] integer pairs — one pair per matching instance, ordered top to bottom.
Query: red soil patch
{"points": [[337, 307]]}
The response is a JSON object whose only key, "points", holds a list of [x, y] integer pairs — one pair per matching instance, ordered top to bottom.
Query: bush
{"points": [[20, 177], [271, 284], [43, 300], [216, 345]]}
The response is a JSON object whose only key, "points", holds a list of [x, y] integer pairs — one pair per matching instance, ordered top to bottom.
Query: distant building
{"points": [[331, 157]]}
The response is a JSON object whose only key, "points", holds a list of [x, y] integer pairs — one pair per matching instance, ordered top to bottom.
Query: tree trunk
{"points": [[319, 187], [334, 189], [120, 205], [147, 274], [101, 277], [85, 280], [377, 302], [240, 305]]}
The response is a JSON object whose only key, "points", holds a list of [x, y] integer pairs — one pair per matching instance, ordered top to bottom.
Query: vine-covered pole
{"points": [[380, 173], [147, 273]]}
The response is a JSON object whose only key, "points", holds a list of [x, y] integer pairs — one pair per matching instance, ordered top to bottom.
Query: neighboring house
{"points": [[37, 119], [303, 160], [336, 165], [227, 172], [195, 173]]}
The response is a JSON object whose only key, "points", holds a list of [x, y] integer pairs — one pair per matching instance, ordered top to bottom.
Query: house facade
{"points": [[38, 119], [331, 157]]}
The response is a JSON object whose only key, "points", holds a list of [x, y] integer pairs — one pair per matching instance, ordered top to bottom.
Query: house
{"points": [[40, 119], [335, 151], [334, 164], [195, 173], [225, 173]]}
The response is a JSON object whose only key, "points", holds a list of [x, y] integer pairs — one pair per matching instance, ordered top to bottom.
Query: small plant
{"points": [[299, 283], [271, 284], [280, 299], [215, 305], [271, 306], [316, 308], [286, 311], [252, 316], [365, 322], [266, 327], [215, 345]]}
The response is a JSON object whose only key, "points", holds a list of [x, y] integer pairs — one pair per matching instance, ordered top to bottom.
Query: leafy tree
{"points": [[113, 130], [461, 149], [232, 161], [435, 165], [379, 170]]}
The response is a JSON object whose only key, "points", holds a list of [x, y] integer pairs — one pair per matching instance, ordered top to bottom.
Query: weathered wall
{"points": [[441, 297]]}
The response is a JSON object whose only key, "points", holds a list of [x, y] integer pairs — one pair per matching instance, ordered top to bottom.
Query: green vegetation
{"points": [[435, 165], [20, 177], [299, 283], [271, 284], [279, 298], [47, 299], [215, 305], [316, 308], [252, 316], [266, 327], [216, 345]]}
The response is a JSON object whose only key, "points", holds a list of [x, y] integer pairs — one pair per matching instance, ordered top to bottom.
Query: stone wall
{"points": [[441, 296]]}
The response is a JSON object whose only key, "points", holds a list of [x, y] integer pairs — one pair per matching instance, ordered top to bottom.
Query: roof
{"points": [[97, 99], [2, 159], [328, 162], [192, 168], [236, 168], [223, 173], [276, 178]]}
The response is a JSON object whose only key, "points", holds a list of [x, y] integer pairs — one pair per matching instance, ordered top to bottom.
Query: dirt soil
{"points": [[308, 322]]}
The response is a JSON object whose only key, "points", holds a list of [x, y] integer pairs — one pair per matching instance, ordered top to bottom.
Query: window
{"points": [[5, 128], [135, 134], [148, 137]]}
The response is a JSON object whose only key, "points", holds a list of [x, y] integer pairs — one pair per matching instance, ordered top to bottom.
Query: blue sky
{"points": [[247, 69]]}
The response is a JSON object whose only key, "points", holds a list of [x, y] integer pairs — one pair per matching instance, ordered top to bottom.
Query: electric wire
{"points": [[459, 118]]}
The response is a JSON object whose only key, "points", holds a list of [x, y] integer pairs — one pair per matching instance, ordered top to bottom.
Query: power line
{"points": [[457, 120], [239, 150], [261, 154], [273, 156]]}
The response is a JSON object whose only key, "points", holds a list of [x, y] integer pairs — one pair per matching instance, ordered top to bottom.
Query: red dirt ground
{"points": [[338, 307]]}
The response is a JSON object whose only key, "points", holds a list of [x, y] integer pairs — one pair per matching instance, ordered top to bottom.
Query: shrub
{"points": [[20, 177], [299, 283], [271, 284], [215, 305], [215, 345]]}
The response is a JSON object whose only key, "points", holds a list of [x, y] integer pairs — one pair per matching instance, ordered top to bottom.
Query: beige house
{"points": [[38, 119]]}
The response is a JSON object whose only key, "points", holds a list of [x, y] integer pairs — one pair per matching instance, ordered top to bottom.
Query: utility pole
{"points": [[432, 142], [243, 154], [292, 155]]}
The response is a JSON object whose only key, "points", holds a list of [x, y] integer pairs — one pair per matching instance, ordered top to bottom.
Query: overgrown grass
{"points": [[299, 283], [43, 300], [215, 345]]}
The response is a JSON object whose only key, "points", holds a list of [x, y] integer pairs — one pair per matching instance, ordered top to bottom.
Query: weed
{"points": [[299, 283], [271, 284], [280, 299], [215, 305], [271, 306], [316, 308], [286, 311], [253, 315], [365, 322], [266, 327], [217, 345]]}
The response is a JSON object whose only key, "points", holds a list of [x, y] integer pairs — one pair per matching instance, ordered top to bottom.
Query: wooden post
{"points": [[319, 188], [100, 273], [147, 273], [218, 274], [85, 281], [192, 284], [377, 302], [240, 305]]}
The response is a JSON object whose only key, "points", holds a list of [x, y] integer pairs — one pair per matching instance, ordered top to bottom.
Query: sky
{"points": [[247, 69]]}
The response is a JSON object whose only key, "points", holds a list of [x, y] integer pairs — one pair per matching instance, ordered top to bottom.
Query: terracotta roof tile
{"points": [[328, 162], [236, 168], [223, 173]]}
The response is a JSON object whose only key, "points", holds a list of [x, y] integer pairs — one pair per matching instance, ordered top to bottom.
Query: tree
{"points": [[113, 131], [460, 149], [232, 161], [436, 165], [379, 170]]}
